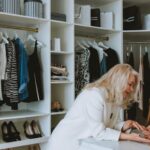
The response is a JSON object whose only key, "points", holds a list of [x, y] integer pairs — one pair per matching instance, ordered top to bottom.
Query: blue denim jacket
{"points": [[23, 70]]}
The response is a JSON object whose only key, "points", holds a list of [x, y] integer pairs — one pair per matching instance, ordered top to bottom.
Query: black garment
{"points": [[112, 59], [130, 59], [94, 65], [146, 86], [35, 87], [132, 110]]}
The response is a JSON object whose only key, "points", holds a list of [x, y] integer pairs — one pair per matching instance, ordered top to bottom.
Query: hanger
{"points": [[6, 35], [2, 38], [32, 39], [85, 43], [79, 44], [101, 44], [100, 49], [146, 49], [131, 50]]}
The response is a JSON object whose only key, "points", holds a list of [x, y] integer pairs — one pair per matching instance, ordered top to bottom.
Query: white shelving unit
{"points": [[114, 35], [63, 90], [40, 110]]}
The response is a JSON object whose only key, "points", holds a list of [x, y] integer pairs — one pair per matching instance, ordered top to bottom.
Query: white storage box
{"points": [[107, 20]]}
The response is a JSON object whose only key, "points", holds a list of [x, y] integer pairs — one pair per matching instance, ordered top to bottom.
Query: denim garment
{"points": [[103, 68], [23, 70]]}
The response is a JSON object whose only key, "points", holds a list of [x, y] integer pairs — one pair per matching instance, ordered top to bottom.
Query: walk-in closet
{"points": [[49, 51]]}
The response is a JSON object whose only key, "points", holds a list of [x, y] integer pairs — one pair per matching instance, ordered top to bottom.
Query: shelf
{"points": [[96, 2], [136, 2], [14, 19], [59, 24], [92, 31], [137, 34], [61, 53], [61, 82], [58, 113], [20, 114], [23, 142]]}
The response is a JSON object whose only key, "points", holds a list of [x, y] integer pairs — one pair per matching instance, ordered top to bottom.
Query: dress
{"points": [[90, 116]]}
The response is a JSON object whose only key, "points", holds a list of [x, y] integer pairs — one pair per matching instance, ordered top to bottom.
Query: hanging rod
{"points": [[19, 27], [104, 38], [146, 42]]}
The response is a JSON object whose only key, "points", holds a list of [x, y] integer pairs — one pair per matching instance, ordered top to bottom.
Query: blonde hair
{"points": [[114, 81]]}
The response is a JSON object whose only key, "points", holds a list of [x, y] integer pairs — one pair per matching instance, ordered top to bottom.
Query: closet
{"points": [[19, 25], [60, 30], [136, 45]]}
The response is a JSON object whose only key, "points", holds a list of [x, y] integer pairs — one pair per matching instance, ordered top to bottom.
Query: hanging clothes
{"points": [[112, 58], [3, 61], [94, 65], [23, 69], [82, 76], [35, 85], [146, 86], [140, 92], [10, 93], [132, 110]]}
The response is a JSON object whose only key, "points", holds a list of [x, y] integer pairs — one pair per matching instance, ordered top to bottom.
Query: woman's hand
{"points": [[132, 124], [134, 137]]}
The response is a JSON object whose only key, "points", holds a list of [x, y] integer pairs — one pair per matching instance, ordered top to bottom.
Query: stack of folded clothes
{"points": [[59, 73]]}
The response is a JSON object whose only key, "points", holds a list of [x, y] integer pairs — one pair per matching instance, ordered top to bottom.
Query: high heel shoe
{"points": [[36, 129], [28, 130], [5, 132], [15, 135]]}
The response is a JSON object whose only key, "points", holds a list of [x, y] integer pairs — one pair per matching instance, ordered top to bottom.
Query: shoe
{"points": [[36, 129], [28, 130], [5, 132], [15, 135], [36, 147]]}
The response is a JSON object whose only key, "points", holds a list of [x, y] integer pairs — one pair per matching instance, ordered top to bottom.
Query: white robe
{"points": [[90, 116]]}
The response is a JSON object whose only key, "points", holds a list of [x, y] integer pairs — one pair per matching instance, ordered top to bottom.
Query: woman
{"points": [[96, 111]]}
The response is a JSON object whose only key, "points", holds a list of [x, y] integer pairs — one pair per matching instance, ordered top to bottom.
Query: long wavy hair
{"points": [[115, 81]]}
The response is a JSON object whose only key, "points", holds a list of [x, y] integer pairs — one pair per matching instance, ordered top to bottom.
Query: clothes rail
{"points": [[19, 27], [104, 38], [145, 42]]}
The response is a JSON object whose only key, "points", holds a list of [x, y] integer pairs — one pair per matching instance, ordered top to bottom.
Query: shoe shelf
{"points": [[58, 113], [20, 114], [23, 142]]}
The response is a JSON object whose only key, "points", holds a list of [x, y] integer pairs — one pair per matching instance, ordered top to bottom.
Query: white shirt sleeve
{"points": [[95, 118]]}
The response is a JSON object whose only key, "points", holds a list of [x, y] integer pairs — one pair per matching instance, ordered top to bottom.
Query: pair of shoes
{"points": [[32, 129], [9, 132]]}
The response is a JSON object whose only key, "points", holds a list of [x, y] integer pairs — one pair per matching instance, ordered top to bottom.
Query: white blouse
{"points": [[90, 116]]}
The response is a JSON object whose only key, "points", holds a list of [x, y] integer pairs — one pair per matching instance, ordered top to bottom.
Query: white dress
{"points": [[90, 116]]}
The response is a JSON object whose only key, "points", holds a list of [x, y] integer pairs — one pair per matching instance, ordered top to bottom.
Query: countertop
{"points": [[94, 144]]}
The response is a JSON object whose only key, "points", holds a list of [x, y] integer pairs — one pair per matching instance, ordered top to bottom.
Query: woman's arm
{"points": [[133, 137]]}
